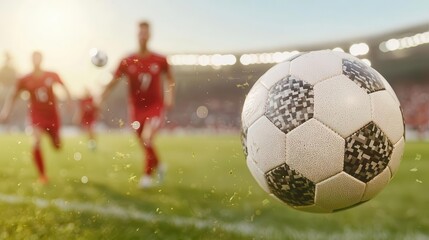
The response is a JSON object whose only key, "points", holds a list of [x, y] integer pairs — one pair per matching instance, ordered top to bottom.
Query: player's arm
{"points": [[117, 76], [171, 88], [108, 89], [66, 91], [68, 95], [9, 104], [77, 116]]}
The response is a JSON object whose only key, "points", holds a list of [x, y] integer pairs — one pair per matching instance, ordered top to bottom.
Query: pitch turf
{"points": [[208, 194]]}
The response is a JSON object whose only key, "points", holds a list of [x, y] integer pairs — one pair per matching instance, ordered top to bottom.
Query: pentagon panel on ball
{"points": [[363, 75], [290, 103], [322, 132], [367, 152], [290, 186]]}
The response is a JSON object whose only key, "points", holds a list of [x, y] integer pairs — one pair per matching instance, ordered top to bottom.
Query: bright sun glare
{"points": [[61, 31]]}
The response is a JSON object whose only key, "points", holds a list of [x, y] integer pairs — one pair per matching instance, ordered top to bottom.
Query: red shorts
{"points": [[140, 117], [87, 121], [51, 126]]}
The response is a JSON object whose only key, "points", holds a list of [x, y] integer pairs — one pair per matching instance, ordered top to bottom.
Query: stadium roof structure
{"points": [[397, 53]]}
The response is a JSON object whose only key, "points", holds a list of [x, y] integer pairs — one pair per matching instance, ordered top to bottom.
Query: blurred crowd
{"points": [[7, 75], [414, 98], [216, 104], [225, 113], [214, 114]]}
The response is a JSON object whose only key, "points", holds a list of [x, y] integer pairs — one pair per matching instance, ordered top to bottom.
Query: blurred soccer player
{"points": [[7, 74], [7, 79], [147, 97], [43, 108], [86, 116]]}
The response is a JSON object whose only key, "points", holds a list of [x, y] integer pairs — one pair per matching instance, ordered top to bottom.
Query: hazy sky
{"points": [[65, 30]]}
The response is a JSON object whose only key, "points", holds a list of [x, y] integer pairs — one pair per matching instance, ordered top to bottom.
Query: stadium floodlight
{"points": [[426, 37], [422, 38], [416, 39], [410, 42], [404, 43], [392, 44], [382, 47], [338, 49], [359, 49], [279, 57], [254, 58], [265, 58], [192, 59], [230, 59], [245, 59], [171, 60], [174, 60], [188, 60], [203, 60], [216, 60]]}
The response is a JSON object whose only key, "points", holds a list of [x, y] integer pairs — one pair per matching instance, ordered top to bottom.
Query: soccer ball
{"points": [[98, 57], [322, 131]]}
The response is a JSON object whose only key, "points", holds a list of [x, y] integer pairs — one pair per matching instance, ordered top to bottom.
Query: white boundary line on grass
{"points": [[112, 210], [241, 228]]}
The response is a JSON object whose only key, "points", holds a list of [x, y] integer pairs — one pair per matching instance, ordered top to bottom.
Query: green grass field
{"points": [[208, 194]]}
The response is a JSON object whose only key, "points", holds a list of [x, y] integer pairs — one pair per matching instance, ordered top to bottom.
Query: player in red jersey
{"points": [[148, 98], [42, 109], [87, 117]]}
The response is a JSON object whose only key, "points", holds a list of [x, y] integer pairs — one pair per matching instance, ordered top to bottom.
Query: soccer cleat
{"points": [[92, 145], [146, 182]]}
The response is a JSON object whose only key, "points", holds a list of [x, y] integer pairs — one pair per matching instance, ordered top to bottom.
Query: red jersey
{"points": [[145, 87], [43, 104], [88, 111]]}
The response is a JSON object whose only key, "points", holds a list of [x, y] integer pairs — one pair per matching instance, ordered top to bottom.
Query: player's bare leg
{"points": [[54, 135], [146, 140], [92, 144], [37, 155]]}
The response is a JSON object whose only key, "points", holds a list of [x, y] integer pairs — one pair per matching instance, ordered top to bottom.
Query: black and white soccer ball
{"points": [[98, 57], [322, 131]]}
